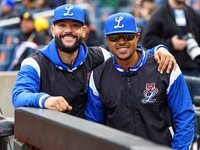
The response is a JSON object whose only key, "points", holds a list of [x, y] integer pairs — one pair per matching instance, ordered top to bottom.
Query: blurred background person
{"points": [[54, 3], [28, 4], [40, 5], [147, 8], [7, 9], [142, 11], [173, 24], [42, 25], [29, 33], [92, 38], [29, 41]]}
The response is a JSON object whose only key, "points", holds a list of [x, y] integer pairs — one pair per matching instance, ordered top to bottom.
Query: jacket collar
{"points": [[133, 69]]}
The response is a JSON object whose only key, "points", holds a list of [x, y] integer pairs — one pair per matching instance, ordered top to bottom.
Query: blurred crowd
{"points": [[24, 28]]}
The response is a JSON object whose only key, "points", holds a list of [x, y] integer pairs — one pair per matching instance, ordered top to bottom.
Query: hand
{"points": [[178, 44], [164, 59], [57, 103], [1, 116]]}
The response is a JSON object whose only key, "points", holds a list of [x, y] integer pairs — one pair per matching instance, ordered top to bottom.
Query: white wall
{"points": [[7, 80]]}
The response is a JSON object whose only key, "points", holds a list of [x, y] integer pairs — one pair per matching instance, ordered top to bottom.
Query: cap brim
{"points": [[83, 23], [119, 32]]}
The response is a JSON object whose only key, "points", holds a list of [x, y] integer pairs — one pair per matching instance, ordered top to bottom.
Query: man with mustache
{"points": [[57, 76], [127, 93]]}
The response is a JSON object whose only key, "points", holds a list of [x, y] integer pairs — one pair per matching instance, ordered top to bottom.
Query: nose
{"points": [[68, 29], [121, 40]]}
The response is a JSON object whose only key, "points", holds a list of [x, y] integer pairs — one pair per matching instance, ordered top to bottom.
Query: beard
{"points": [[71, 49], [126, 58]]}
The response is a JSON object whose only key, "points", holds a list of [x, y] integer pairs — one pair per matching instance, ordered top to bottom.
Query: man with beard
{"points": [[172, 25], [56, 77]]}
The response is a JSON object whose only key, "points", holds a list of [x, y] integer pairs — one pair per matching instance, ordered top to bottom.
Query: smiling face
{"points": [[68, 34], [123, 49]]}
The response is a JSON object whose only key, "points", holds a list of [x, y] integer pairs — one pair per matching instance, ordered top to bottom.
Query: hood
{"points": [[50, 51]]}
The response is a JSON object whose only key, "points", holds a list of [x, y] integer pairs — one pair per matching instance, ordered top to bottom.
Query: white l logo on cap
{"points": [[68, 10], [118, 22]]}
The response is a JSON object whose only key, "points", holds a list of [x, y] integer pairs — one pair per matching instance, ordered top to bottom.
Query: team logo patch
{"points": [[68, 8], [118, 20], [149, 93]]}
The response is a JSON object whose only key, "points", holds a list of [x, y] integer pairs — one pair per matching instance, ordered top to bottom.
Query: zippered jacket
{"points": [[43, 74], [142, 101]]}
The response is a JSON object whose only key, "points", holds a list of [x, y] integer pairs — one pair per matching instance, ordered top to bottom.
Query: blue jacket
{"points": [[43, 74], [142, 101]]}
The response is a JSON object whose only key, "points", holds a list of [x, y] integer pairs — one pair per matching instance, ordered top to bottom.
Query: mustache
{"points": [[67, 34], [120, 45]]}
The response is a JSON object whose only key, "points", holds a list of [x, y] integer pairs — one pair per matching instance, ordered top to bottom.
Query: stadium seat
{"points": [[1, 33], [10, 36], [5, 56]]}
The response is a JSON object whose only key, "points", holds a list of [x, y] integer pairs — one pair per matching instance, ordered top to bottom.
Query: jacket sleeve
{"points": [[155, 48], [26, 88], [180, 104], [94, 110]]}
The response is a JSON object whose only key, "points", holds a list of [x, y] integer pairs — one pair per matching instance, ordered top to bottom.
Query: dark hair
{"points": [[87, 21]]}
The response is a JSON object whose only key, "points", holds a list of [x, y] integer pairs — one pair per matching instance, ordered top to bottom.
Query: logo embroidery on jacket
{"points": [[68, 10], [118, 22], [149, 93]]}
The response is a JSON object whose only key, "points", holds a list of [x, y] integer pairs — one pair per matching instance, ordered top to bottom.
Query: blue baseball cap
{"points": [[9, 3], [69, 11], [120, 23]]}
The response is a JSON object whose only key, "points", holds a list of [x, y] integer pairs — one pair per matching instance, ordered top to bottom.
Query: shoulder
{"points": [[162, 9], [192, 13], [95, 50], [98, 50], [98, 53], [38, 56], [150, 58], [33, 61], [104, 67], [102, 72]]}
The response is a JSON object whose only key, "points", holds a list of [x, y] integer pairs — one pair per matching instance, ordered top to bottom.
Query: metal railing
{"points": [[16, 20]]}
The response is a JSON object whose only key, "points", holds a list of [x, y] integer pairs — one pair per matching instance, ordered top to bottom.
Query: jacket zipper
{"points": [[73, 78], [131, 102]]}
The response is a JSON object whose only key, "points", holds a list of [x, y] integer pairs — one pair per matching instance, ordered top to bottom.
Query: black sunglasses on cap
{"points": [[116, 37]]}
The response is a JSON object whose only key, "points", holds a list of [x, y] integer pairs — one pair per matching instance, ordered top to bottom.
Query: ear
{"points": [[52, 30], [84, 31], [137, 36], [107, 39]]}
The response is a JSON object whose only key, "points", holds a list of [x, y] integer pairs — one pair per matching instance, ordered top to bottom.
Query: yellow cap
{"points": [[27, 15], [41, 24]]}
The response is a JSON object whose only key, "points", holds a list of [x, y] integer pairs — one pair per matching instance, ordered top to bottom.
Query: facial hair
{"points": [[73, 48], [126, 58]]}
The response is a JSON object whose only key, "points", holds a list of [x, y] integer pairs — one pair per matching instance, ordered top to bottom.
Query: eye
{"points": [[61, 25], [76, 26]]}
